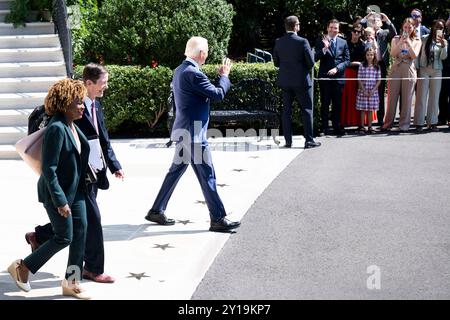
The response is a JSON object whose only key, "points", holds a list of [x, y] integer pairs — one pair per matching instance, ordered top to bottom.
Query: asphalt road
{"points": [[362, 217]]}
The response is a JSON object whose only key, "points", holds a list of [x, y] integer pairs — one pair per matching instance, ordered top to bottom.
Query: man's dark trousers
{"points": [[331, 91], [303, 96], [199, 156]]}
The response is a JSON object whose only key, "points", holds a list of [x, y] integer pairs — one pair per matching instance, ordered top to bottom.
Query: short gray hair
{"points": [[194, 45]]}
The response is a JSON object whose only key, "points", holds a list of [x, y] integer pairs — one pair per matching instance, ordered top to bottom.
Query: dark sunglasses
{"points": [[356, 31]]}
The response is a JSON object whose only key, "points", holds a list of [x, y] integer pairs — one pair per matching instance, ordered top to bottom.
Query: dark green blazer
{"points": [[63, 168]]}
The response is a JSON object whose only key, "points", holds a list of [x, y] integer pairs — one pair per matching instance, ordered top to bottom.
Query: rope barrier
{"points": [[418, 78]]}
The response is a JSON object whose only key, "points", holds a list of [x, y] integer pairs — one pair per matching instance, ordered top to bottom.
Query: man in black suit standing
{"points": [[293, 55], [334, 57], [101, 157]]}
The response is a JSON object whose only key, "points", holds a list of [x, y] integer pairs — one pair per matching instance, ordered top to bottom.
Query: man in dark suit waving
{"points": [[293, 55], [334, 57], [193, 92]]}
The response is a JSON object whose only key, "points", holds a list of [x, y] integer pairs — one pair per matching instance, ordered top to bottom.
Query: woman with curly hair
{"points": [[65, 154]]}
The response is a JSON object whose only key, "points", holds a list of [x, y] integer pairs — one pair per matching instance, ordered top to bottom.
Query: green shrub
{"points": [[20, 11], [80, 15], [146, 32], [239, 71], [268, 72], [135, 95], [135, 103]]}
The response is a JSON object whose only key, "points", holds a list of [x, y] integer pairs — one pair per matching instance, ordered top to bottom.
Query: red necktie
{"points": [[94, 116]]}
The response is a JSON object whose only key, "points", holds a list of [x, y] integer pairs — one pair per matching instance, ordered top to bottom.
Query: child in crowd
{"points": [[367, 100]]}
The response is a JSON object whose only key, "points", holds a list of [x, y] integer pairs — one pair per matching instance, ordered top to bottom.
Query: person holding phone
{"points": [[404, 49], [433, 52]]}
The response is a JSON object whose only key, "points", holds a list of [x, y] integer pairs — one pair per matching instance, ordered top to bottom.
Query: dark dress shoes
{"points": [[312, 144], [159, 218], [223, 225], [31, 239]]}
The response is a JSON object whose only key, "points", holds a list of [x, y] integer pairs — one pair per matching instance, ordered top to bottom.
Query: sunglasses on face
{"points": [[356, 31]]}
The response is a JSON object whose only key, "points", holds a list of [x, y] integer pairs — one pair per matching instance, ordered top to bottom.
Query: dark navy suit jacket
{"points": [[424, 30], [293, 55], [328, 60], [193, 92], [87, 127]]}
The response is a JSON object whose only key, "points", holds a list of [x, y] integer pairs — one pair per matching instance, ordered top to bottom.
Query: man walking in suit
{"points": [[293, 55], [334, 57], [193, 92], [101, 157]]}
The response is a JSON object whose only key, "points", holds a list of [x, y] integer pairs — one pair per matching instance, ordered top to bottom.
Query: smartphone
{"points": [[439, 33], [405, 34]]}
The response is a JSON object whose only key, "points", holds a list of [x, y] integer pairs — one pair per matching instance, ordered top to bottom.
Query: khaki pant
{"points": [[430, 88], [406, 89]]}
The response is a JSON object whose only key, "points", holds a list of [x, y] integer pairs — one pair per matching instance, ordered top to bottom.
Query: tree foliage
{"points": [[258, 23], [150, 32]]}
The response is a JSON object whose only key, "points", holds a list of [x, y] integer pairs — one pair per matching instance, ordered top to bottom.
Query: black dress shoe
{"points": [[312, 144], [287, 145], [159, 218], [223, 225]]}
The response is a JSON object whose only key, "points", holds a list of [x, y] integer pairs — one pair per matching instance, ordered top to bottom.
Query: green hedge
{"points": [[136, 98], [135, 103]]}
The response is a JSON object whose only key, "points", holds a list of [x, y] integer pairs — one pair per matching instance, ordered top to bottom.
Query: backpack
{"points": [[38, 119]]}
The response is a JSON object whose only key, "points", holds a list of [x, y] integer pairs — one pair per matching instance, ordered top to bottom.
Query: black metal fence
{"points": [[61, 21]]}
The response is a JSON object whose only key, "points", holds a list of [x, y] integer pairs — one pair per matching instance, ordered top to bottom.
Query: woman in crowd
{"points": [[404, 50], [433, 51], [349, 115], [65, 154]]}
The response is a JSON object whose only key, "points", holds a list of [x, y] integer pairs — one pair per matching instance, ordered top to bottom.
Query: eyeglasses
{"points": [[415, 16], [356, 31]]}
